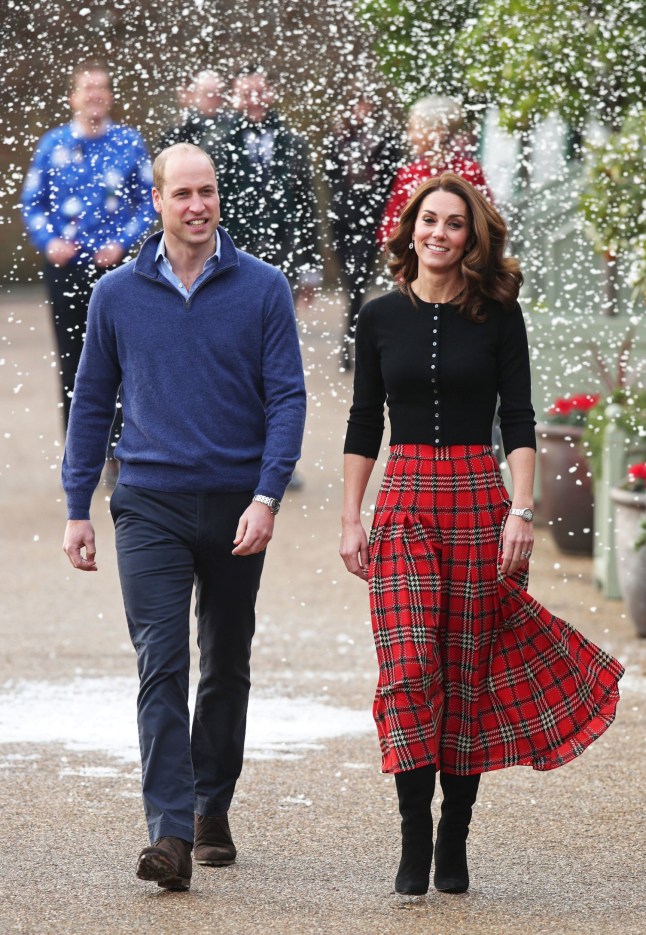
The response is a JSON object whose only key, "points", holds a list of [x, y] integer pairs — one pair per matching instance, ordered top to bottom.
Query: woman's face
{"points": [[427, 136], [441, 232]]}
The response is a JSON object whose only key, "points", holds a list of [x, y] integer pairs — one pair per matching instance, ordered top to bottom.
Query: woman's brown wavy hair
{"points": [[488, 274]]}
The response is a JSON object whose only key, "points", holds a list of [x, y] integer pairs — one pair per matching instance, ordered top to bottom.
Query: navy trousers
{"points": [[70, 290], [166, 542]]}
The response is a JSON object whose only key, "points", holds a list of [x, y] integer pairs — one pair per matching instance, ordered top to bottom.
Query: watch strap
{"points": [[271, 502], [515, 511]]}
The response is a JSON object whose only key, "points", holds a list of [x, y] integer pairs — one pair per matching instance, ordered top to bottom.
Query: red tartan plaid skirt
{"points": [[474, 674]]}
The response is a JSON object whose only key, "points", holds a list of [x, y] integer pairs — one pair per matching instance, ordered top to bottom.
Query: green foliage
{"points": [[416, 43], [577, 58], [581, 59], [584, 60], [613, 201], [625, 392], [631, 418], [636, 483], [640, 542]]}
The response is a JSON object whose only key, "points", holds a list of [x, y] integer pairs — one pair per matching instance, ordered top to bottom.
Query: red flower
{"points": [[584, 401], [560, 407], [571, 410], [637, 473]]}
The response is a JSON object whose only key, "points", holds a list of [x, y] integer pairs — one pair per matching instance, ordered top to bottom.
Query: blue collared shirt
{"points": [[166, 269]]}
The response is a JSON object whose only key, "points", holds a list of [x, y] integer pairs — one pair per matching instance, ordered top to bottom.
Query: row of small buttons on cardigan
{"points": [[434, 377]]}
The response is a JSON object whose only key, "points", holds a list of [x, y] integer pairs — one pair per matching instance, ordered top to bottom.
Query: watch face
{"points": [[528, 515]]}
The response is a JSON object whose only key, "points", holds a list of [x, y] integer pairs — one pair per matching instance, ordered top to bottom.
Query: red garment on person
{"points": [[410, 177], [474, 674]]}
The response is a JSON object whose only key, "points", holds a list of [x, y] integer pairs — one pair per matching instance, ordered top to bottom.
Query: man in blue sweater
{"points": [[85, 202], [202, 339]]}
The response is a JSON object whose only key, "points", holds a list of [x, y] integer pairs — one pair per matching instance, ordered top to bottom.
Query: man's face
{"points": [[253, 96], [206, 97], [91, 99], [362, 110], [188, 203]]}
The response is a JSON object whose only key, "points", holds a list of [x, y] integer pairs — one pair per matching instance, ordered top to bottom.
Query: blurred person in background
{"points": [[201, 100], [437, 137], [361, 155], [266, 187], [266, 190], [85, 202]]}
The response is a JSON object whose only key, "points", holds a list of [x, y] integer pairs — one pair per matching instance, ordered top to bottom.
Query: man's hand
{"points": [[59, 252], [109, 255], [255, 529], [79, 534]]}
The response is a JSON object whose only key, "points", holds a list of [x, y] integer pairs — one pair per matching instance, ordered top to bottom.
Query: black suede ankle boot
{"points": [[415, 789], [451, 869]]}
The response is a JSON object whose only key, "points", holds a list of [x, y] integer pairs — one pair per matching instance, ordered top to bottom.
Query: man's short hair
{"points": [[82, 68], [250, 68], [196, 76], [159, 165]]}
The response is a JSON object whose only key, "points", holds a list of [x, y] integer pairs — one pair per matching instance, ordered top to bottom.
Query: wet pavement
{"points": [[314, 820]]}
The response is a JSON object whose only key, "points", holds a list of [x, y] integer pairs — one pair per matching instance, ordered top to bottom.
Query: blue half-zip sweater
{"points": [[212, 387]]}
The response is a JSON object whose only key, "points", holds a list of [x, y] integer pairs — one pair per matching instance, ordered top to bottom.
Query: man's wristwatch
{"points": [[273, 504], [526, 514]]}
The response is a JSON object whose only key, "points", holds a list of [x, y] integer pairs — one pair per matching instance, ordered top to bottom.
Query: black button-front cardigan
{"points": [[441, 375]]}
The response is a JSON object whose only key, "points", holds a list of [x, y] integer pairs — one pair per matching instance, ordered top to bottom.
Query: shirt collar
{"points": [[161, 250]]}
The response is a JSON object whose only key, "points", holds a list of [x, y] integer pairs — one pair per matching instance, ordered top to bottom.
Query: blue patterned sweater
{"points": [[91, 190]]}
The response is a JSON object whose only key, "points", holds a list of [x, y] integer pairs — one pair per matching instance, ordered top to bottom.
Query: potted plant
{"points": [[625, 403], [627, 407], [567, 500], [630, 543]]}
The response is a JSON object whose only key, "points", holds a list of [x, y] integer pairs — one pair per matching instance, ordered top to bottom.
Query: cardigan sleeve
{"points": [[514, 384], [366, 421]]}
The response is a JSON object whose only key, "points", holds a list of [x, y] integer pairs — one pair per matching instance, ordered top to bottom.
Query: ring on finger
{"points": [[525, 554]]}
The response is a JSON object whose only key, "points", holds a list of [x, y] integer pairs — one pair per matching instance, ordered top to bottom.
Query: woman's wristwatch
{"points": [[271, 502], [526, 514]]}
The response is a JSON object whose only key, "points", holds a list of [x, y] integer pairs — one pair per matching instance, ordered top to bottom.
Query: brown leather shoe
{"points": [[214, 845], [168, 863]]}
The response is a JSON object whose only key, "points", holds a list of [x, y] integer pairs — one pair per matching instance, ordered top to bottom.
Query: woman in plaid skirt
{"points": [[474, 674]]}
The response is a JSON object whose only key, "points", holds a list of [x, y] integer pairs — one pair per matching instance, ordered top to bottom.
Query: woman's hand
{"points": [[518, 537], [354, 542], [517, 544], [354, 548]]}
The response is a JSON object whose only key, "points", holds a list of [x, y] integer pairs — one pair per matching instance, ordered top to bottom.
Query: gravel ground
{"points": [[315, 823]]}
